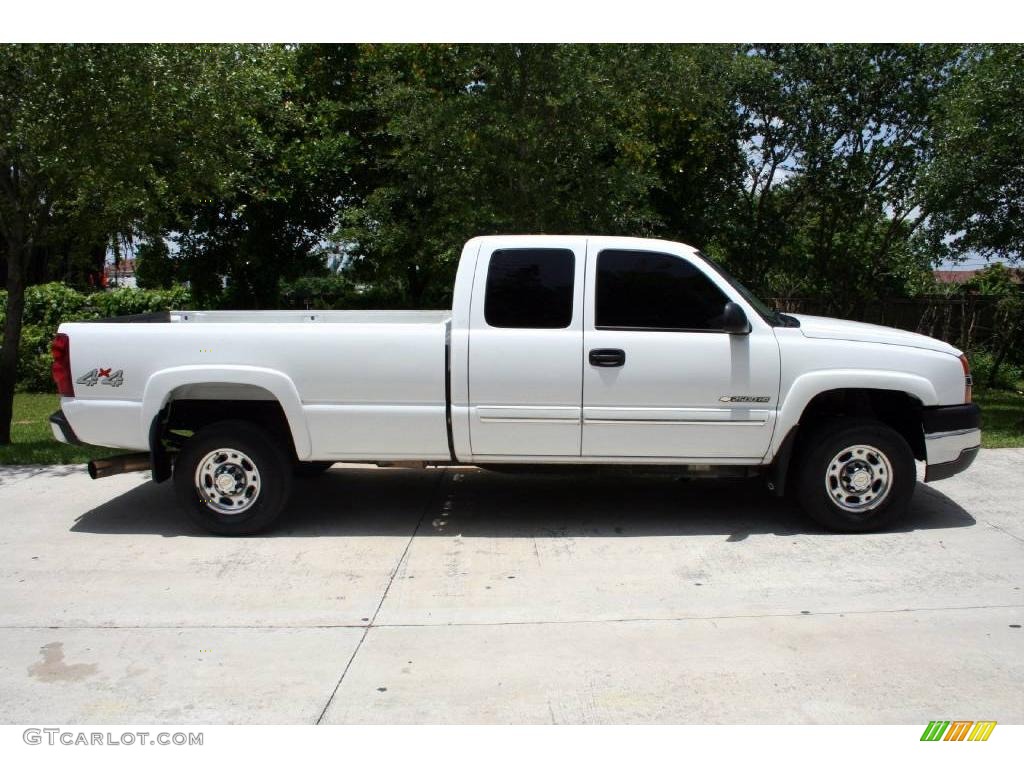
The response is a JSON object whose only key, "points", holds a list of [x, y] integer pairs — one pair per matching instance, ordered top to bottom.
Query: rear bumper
{"points": [[62, 431], [952, 439]]}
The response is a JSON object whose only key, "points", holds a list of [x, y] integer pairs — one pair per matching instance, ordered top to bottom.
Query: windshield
{"points": [[772, 316]]}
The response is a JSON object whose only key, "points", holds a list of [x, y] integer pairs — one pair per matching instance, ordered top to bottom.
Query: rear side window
{"points": [[530, 288], [639, 290]]}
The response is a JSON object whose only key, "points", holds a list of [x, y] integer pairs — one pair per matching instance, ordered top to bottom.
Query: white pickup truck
{"points": [[581, 351]]}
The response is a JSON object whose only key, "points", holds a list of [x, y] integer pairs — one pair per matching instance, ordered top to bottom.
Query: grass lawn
{"points": [[1002, 416], [1002, 427], [32, 440]]}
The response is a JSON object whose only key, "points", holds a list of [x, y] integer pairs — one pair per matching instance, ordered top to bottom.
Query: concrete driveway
{"points": [[396, 596]]}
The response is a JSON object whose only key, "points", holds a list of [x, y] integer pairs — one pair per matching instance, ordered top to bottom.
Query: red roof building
{"points": [[120, 275], [960, 276]]}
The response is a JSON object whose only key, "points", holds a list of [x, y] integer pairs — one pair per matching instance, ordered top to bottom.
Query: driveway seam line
{"points": [[431, 498], [1003, 530], [701, 618], [628, 619]]}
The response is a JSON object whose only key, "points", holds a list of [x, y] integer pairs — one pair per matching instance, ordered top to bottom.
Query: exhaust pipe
{"points": [[115, 465]]}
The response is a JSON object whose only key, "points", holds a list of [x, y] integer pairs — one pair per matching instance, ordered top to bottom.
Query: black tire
{"points": [[257, 462], [312, 468], [827, 490]]}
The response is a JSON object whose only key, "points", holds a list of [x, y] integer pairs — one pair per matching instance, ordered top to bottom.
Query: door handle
{"points": [[607, 358]]}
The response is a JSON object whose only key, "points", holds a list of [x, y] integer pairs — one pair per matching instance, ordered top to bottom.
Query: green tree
{"points": [[94, 139], [835, 139], [463, 140], [976, 182], [284, 196], [154, 265], [997, 282]]}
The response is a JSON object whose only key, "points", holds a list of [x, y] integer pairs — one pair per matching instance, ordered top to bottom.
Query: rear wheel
{"points": [[856, 475], [233, 478]]}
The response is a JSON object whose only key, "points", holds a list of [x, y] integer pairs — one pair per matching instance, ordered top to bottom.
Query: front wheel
{"points": [[856, 475], [233, 478]]}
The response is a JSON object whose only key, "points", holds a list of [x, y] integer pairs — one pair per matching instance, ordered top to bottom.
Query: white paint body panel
{"points": [[848, 330], [814, 365], [525, 384], [372, 385], [360, 390], [666, 401]]}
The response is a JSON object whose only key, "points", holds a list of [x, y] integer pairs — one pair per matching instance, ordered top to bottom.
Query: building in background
{"points": [[120, 275], [961, 276]]}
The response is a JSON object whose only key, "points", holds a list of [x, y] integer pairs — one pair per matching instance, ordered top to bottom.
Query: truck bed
{"points": [[357, 384]]}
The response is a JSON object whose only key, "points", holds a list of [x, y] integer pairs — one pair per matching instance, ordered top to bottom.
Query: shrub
{"points": [[334, 292], [134, 301], [49, 305], [34, 359], [1008, 376]]}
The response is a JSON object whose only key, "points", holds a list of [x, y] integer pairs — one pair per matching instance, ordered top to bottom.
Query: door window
{"points": [[530, 288], [640, 290]]}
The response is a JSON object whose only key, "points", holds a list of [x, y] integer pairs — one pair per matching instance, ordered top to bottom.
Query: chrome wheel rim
{"points": [[858, 478], [227, 481]]}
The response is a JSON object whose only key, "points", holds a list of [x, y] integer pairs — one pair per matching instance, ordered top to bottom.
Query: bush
{"points": [[334, 292], [134, 301], [49, 305], [34, 359], [1008, 377]]}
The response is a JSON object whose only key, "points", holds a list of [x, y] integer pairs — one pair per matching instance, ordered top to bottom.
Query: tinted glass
{"points": [[530, 288], [638, 289]]}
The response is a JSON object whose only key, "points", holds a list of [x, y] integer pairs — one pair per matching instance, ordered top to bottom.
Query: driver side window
{"points": [[641, 290]]}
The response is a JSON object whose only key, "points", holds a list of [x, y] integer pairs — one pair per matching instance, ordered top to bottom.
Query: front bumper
{"points": [[952, 439]]}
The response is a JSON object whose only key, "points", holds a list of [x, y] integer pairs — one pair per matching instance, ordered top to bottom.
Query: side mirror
{"points": [[734, 319]]}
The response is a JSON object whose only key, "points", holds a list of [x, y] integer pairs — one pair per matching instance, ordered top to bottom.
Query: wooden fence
{"points": [[963, 321]]}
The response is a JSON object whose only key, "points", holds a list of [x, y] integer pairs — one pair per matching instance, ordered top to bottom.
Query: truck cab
{"points": [[611, 349]]}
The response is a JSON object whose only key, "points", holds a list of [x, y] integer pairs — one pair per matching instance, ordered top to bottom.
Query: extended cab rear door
{"points": [[526, 347], [661, 379]]}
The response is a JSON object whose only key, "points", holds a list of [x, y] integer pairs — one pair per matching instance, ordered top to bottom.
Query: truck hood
{"points": [[848, 330]]}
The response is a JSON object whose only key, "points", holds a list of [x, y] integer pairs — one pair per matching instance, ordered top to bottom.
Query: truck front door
{"points": [[661, 379]]}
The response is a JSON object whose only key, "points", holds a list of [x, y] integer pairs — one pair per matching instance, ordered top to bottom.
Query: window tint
{"points": [[530, 288], [638, 289]]}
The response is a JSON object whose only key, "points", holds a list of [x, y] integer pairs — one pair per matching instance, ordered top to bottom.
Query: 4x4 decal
{"points": [[102, 376]]}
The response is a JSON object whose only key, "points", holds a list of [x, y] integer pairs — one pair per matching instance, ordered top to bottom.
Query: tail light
{"points": [[61, 349], [968, 380]]}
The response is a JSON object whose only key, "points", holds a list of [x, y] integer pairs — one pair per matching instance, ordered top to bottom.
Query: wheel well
{"points": [[898, 410], [184, 415]]}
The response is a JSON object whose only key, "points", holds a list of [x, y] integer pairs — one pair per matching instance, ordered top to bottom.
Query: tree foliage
{"points": [[835, 139], [99, 140], [463, 140], [844, 172], [976, 181], [284, 194]]}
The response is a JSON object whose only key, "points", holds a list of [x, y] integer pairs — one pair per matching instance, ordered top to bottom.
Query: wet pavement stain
{"points": [[52, 668]]}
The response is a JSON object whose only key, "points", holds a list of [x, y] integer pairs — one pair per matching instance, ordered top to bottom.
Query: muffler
{"points": [[115, 465]]}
